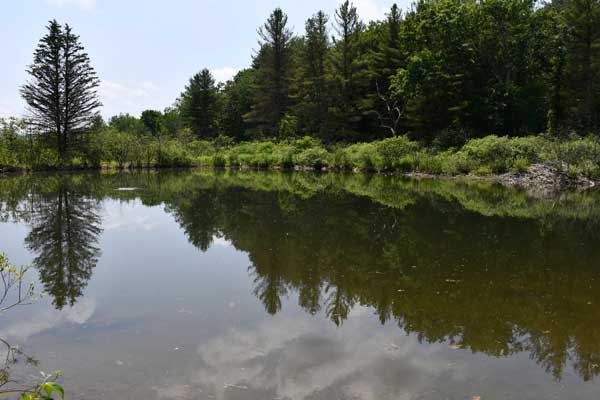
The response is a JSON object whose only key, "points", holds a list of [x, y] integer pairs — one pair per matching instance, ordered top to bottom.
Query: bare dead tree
{"points": [[394, 110]]}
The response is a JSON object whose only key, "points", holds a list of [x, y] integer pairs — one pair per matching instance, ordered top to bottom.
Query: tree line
{"points": [[441, 72]]}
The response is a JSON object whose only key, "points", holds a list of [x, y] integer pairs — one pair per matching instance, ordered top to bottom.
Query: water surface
{"points": [[255, 285]]}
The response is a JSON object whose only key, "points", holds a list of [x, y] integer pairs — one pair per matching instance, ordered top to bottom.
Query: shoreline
{"points": [[538, 178]]}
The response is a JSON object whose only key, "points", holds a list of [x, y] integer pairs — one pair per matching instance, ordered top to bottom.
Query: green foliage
{"points": [[442, 72], [61, 93], [271, 94], [198, 104], [152, 121], [127, 123], [288, 127], [391, 151], [499, 154], [315, 157], [13, 293], [46, 389]]}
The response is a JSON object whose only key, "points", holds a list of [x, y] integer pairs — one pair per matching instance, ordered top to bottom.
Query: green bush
{"points": [[390, 151], [492, 151], [573, 152], [174, 154], [499, 154], [363, 155], [284, 156], [315, 157], [340, 158], [219, 160], [204, 161], [429, 163], [521, 164]]}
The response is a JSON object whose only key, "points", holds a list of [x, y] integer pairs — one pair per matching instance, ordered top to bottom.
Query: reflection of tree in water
{"points": [[64, 235], [489, 271], [489, 284]]}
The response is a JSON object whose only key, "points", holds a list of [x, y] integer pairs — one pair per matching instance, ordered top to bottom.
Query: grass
{"points": [[489, 155]]}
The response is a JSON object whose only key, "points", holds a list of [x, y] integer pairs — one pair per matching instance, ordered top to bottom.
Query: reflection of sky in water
{"points": [[161, 319]]}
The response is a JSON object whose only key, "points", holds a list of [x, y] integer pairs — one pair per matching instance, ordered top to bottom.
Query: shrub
{"points": [[305, 143], [390, 151], [492, 151], [174, 154], [499, 154], [362, 155], [284, 156], [316, 157], [233, 159], [340, 159], [219, 160], [204, 161], [407, 163], [429, 163], [521, 164]]}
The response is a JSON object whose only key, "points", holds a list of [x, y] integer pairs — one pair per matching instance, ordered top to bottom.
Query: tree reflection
{"points": [[64, 236], [484, 268], [444, 270]]}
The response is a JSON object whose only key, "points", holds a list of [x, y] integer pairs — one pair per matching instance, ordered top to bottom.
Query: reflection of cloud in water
{"points": [[129, 216], [220, 241], [42, 321], [287, 358], [174, 391]]}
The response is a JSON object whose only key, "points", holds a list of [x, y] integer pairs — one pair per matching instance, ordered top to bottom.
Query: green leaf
{"points": [[50, 387]]}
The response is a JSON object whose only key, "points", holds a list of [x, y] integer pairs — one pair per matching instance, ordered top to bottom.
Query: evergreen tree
{"points": [[582, 18], [388, 56], [273, 65], [346, 71], [311, 81], [61, 94], [237, 102], [198, 104]]}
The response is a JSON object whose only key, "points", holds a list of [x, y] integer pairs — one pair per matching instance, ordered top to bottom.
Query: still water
{"points": [[255, 285]]}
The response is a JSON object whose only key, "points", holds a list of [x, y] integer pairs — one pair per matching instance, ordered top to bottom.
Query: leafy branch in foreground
{"points": [[12, 280]]}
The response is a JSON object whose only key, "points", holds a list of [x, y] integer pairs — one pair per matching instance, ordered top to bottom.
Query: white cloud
{"points": [[84, 4], [368, 10], [223, 74], [123, 90], [127, 96]]}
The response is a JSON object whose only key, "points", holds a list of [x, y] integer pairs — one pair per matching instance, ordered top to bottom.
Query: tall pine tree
{"points": [[583, 60], [386, 61], [273, 65], [346, 70], [311, 82], [61, 94], [198, 104]]}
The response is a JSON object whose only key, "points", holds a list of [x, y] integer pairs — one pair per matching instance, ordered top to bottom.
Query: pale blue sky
{"points": [[144, 51]]}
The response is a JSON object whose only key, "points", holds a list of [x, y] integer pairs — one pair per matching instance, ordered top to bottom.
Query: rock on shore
{"points": [[544, 178]]}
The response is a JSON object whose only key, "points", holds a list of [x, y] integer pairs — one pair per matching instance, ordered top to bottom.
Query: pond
{"points": [[271, 285]]}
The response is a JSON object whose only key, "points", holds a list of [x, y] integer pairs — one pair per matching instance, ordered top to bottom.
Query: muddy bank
{"points": [[545, 179]]}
